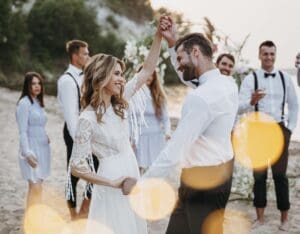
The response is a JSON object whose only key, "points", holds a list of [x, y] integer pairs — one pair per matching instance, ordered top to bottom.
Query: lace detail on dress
{"points": [[137, 105], [81, 159]]}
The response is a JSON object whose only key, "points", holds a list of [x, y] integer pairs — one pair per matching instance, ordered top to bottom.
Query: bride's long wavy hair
{"points": [[97, 74]]}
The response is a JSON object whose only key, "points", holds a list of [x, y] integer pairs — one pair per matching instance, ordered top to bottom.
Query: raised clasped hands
{"points": [[167, 29]]}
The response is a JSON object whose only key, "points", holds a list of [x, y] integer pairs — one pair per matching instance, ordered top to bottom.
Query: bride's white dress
{"points": [[109, 141]]}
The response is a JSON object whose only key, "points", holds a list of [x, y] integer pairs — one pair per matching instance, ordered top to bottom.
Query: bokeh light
{"points": [[257, 141], [206, 177], [152, 199], [41, 219], [227, 222], [80, 226]]}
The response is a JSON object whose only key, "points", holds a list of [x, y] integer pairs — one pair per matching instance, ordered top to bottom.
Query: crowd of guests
{"points": [[90, 93]]}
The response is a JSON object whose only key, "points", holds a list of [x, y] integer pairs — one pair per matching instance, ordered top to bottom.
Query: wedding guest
{"points": [[225, 63], [297, 65], [68, 87], [279, 93], [102, 130], [156, 130], [34, 153]]}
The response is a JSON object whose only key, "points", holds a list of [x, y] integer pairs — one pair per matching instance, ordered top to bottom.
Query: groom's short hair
{"points": [[192, 39]]}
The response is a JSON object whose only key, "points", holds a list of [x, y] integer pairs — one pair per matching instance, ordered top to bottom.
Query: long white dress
{"points": [[109, 141]]}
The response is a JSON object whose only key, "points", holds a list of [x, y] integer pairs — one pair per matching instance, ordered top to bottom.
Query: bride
{"points": [[102, 130]]}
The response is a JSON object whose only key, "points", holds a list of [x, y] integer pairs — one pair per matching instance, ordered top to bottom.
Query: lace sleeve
{"points": [[137, 99], [81, 159]]}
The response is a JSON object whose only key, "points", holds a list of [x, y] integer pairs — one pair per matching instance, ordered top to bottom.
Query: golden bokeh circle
{"points": [[257, 140], [152, 199], [42, 219], [226, 221], [80, 226]]}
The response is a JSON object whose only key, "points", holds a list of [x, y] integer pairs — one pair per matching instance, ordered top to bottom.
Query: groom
{"points": [[201, 144]]}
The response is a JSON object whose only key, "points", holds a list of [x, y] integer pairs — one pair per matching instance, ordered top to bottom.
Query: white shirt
{"points": [[67, 95], [271, 104], [203, 135]]}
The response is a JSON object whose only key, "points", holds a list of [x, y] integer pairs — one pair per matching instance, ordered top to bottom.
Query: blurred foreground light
{"points": [[257, 141], [206, 177], [152, 199], [41, 219], [227, 222], [80, 227]]}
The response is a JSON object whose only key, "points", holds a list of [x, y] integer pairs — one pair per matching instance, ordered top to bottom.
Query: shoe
{"points": [[256, 224], [284, 226]]}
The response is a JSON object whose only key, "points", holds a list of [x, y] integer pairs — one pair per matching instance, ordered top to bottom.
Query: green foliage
{"points": [[137, 10], [111, 19], [52, 23], [12, 34]]}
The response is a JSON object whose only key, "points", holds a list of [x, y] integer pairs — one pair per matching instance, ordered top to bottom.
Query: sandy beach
{"points": [[13, 188]]}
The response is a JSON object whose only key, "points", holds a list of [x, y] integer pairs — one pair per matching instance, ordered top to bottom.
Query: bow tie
{"points": [[81, 73], [270, 74], [195, 82]]}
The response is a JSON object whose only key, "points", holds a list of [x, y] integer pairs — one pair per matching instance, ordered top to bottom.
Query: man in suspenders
{"points": [[271, 91], [68, 94]]}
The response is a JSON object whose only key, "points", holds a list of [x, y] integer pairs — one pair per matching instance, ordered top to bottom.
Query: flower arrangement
{"points": [[136, 52]]}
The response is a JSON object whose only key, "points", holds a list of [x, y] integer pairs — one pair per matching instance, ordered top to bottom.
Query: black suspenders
{"points": [[78, 89], [284, 92]]}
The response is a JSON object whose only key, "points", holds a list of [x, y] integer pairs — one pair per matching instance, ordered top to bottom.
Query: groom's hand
{"points": [[167, 29], [128, 184]]}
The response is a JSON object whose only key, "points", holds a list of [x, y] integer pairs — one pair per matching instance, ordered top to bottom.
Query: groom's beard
{"points": [[189, 72]]}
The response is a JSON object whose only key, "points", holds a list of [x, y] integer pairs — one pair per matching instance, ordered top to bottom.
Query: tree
{"points": [[137, 10], [52, 23], [12, 33]]}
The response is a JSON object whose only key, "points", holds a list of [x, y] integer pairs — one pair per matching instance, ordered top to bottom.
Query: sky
{"points": [[276, 20]]}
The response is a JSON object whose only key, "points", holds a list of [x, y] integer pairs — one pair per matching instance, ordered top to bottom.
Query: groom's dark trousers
{"points": [[195, 205]]}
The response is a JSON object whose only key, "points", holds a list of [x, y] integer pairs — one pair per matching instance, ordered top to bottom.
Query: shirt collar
{"points": [[75, 69], [273, 71], [211, 73]]}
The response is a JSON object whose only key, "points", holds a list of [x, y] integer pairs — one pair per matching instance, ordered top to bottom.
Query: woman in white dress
{"points": [[103, 131], [34, 153]]}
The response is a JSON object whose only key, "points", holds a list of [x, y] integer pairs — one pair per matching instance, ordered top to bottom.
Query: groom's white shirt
{"points": [[203, 135]]}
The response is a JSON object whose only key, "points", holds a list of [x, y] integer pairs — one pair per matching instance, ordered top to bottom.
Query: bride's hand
{"points": [[118, 183]]}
